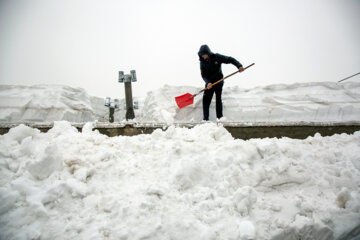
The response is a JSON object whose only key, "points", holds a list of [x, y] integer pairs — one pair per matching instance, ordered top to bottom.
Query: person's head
{"points": [[204, 53]]}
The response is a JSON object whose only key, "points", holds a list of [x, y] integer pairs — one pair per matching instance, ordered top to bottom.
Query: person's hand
{"points": [[241, 69], [209, 85]]}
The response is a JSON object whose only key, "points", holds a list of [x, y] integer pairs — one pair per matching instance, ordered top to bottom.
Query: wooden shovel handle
{"points": [[227, 77]]}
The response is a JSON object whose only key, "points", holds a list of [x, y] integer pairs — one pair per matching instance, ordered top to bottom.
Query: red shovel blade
{"points": [[184, 100]]}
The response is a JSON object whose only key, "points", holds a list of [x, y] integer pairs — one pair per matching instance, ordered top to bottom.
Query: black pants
{"points": [[208, 94]]}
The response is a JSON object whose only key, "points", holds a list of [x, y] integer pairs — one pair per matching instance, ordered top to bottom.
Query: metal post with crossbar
{"points": [[127, 79]]}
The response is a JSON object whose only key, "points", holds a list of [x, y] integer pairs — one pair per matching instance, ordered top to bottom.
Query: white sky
{"points": [[85, 43]]}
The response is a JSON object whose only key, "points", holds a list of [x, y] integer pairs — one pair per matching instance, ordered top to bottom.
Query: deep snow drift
{"points": [[301, 102], [308, 102], [48, 103], [181, 183]]}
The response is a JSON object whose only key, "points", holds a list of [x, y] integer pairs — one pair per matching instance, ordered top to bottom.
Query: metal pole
{"points": [[349, 77], [129, 102], [111, 115]]}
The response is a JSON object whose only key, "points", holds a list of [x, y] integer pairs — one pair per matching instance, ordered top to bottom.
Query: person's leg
{"points": [[208, 94], [219, 108]]}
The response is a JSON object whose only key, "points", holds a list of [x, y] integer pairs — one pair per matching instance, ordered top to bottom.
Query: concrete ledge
{"points": [[298, 130]]}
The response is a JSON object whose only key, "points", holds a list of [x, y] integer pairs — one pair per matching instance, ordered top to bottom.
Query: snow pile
{"points": [[309, 102], [48, 103], [160, 106], [181, 183]]}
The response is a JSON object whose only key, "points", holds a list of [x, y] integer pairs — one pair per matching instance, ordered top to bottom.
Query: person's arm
{"points": [[233, 61], [206, 80], [208, 84]]}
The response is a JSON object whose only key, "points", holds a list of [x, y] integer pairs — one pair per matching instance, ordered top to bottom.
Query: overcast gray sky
{"points": [[84, 43]]}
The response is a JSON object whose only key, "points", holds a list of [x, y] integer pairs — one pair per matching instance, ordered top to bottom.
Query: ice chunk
{"points": [[88, 127], [21, 132], [50, 161], [343, 197], [244, 198], [247, 230]]}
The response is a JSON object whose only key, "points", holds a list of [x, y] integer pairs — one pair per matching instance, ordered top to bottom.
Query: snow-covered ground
{"points": [[300, 102], [181, 183]]}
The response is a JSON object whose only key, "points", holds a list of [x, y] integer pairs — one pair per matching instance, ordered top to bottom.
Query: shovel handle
{"points": [[226, 77]]}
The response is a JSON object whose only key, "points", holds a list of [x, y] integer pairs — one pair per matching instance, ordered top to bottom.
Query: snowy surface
{"points": [[307, 102], [48, 103], [280, 103], [181, 183]]}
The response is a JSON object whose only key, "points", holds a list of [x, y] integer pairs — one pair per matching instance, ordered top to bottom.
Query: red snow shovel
{"points": [[188, 99]]}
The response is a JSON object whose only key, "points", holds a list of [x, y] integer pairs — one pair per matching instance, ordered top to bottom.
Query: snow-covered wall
{"points": [[309, 102], [48, 103], [289, 103]]}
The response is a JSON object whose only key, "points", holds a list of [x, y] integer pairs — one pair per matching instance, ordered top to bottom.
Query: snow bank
{"points": [[306, 102], [309, 102], [48, 103], [160, 106], [181, 183]]}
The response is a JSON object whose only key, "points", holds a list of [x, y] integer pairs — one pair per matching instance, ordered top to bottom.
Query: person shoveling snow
{"points": [[210, 66]]}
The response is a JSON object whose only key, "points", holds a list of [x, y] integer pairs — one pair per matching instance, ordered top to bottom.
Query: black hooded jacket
{"points": [[211, 69]]}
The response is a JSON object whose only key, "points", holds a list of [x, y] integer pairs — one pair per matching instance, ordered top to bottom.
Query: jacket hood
{"points": [[204, 49]]}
